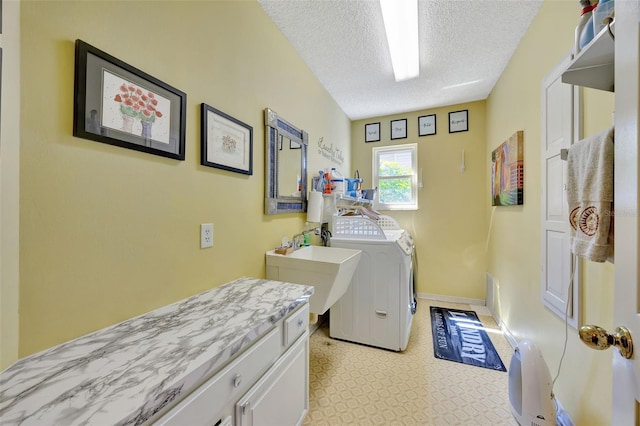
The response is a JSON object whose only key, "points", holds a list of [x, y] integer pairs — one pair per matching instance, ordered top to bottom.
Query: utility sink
{"points": [[328, 269]]}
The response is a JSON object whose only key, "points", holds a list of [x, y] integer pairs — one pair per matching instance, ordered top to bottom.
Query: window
{"points": [[395, 174]]}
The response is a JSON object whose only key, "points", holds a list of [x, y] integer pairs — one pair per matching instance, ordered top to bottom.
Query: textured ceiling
{"points": [[464, 47]]}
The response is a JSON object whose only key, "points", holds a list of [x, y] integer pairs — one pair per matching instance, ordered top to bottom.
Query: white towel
{"points": [[590, 196]]}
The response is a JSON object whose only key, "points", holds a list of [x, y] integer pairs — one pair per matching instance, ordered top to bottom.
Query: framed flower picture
{"points": [[120, 105], [226, 142]]}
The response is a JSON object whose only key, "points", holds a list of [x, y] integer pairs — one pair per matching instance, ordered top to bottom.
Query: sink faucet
{"points": [[296, 240]]}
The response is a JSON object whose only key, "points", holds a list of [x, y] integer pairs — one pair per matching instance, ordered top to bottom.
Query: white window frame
{"points": [[375, 156]]}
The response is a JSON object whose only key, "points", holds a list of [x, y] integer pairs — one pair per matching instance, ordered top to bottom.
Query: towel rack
{"points": [[564, 152]]}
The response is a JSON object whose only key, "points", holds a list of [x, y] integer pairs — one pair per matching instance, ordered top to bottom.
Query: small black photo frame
{"points": [[117, 104], [459, 121], [427, 125], [399, 129], [372, 132], [226, 142]]}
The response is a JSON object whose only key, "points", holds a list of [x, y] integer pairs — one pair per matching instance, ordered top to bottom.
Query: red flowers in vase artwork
{"points": [[135, 104]]}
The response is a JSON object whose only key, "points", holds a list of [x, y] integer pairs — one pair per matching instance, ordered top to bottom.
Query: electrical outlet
{"points": [[206, 235]]}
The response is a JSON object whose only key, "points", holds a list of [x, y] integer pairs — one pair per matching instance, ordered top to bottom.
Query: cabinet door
{"points": [[561, 117], [281, 396]]}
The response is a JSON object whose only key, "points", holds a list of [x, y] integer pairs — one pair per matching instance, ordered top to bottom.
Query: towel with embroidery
{"points": [[590, 196]]}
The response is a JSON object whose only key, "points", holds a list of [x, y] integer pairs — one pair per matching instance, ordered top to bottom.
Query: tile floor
{"points": [[352, 384]]}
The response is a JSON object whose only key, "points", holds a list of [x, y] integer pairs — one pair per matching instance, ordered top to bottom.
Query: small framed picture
{"points": [[459, 121], [427, 125], [399, 129], [372, 132], [226, 142]]}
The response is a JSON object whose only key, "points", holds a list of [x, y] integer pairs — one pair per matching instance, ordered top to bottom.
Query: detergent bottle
{"points": [[337, 181]]}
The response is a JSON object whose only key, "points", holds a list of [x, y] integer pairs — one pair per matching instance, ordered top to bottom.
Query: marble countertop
{"points": [[126, 373]]}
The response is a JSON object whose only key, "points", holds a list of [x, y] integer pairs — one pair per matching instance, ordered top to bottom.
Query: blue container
{"points": [[602, 15], [587, 32], [352, 184]]}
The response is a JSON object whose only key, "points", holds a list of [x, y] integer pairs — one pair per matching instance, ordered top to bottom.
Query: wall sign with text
{"points": [[459, 121], [427, 125], [372, 132]]}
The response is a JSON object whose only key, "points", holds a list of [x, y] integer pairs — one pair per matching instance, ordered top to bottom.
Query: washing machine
{"points": [[378, 307]]}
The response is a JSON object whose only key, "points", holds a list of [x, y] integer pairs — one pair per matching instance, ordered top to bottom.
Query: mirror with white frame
{"points": [[285, 165]]}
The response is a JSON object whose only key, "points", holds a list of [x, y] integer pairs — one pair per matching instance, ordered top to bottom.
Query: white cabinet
{"points": [[561, 118], [268, 384], [277, 399], [204, 405]]}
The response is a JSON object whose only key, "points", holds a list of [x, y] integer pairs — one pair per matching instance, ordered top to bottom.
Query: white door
{"points": [[626, 372]]}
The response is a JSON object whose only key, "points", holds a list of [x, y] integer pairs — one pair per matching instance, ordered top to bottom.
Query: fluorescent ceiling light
{"points": [[401, 24], [468, 83]]}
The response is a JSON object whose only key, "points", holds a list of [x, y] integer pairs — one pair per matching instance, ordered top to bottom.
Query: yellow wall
{"points": [[9, 182], [449, 227], [108, 233], [584, 385]]}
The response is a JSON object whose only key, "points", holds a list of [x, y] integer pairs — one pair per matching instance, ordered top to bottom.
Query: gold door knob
{"points": [[598, 338]]}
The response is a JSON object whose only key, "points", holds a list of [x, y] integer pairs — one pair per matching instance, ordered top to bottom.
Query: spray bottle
{"points": [[327, 182]]}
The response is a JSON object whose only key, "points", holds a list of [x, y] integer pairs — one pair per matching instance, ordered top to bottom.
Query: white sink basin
{"points": [[327, 269]]}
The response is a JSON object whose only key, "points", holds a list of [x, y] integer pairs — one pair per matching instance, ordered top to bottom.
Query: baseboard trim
{"points": [[451, 299], [506, 332]]}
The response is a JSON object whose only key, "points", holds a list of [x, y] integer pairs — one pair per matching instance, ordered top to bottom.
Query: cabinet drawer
{"points": [[296, 324], [203, 406]]}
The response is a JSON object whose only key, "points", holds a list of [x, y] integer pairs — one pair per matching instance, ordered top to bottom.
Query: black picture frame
{"points": [[118, 104], [459, 121], [427, 125], [399, 129], [372, 132], [226, 143]]}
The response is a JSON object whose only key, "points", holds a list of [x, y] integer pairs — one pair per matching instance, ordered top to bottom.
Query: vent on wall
{"points": [[491, 287], [493, 299]]}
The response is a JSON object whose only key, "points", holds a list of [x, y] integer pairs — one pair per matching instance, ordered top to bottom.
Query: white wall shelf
{"points": [[594, 66], [351, 200]]}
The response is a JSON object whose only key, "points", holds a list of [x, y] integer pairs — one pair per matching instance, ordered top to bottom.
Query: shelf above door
{"points": [[594, 66]]}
